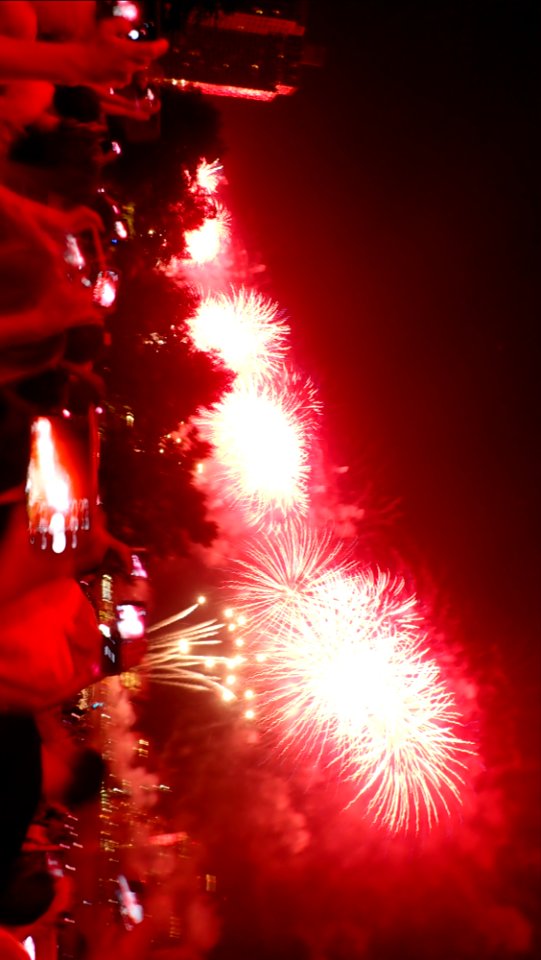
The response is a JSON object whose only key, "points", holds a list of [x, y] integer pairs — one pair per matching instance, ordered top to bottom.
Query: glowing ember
{"points": [[207, 241], [244, 329], [261, 441], [348, 678]]}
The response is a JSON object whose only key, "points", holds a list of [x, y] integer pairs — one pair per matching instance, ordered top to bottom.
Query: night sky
{"points": [[393, 201]]}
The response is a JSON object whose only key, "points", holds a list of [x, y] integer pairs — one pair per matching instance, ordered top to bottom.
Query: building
{"points": [[254, 53]]}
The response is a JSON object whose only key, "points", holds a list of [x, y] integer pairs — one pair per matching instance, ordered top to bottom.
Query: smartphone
{"points": [[131, 594], [124, 643]]}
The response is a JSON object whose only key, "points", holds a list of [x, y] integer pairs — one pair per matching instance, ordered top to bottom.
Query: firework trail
{"points": [[244, 329], [261, 439], [185, 656]]}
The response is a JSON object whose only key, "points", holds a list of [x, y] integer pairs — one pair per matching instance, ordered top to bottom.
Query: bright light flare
{"points": [[206, 242], [244, 329], [261, 439], [348, 678]]}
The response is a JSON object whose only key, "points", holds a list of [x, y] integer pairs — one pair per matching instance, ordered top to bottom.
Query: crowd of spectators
{"points": [[63, 67]]}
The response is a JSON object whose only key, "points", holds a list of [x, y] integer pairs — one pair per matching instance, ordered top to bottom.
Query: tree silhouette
{"points": [[154, 379]]}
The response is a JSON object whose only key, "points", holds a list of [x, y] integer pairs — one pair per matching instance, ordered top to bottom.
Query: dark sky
{"points": [[393, 200]]}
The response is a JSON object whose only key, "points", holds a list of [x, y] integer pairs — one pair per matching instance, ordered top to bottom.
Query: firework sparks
{"points": [[209, 176], [207, 241], [244, 329], [260, 436], [278, 572], [188, 655], [180, 656], [347, 676]]}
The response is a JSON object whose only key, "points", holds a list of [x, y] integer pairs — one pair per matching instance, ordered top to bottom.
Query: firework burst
{"points": [[209, 176], [206, 242], [244, 329], [261, 439], [279, 572], [347, 678]]}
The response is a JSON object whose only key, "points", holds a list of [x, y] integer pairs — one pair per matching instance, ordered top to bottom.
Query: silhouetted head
{"points": [[72, 778], [29, 892]]}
